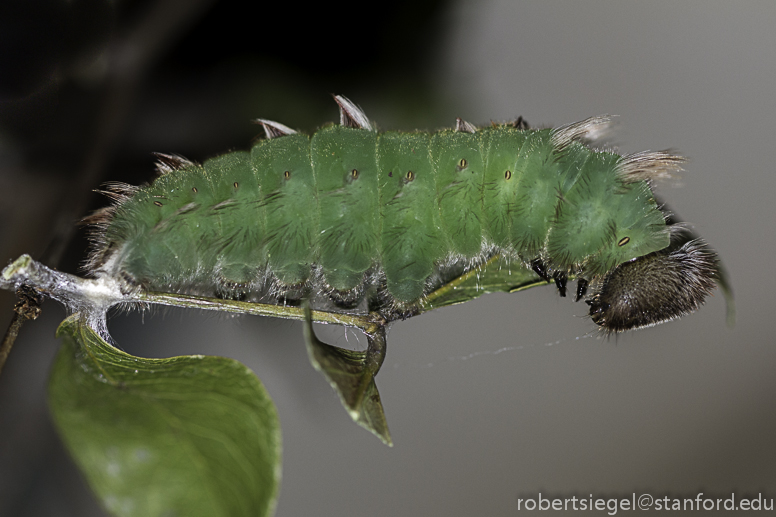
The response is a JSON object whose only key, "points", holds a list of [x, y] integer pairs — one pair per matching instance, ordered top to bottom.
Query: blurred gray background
{"points": [[685, 407]]}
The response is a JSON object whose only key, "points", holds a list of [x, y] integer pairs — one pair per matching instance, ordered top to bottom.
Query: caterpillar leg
{"points": [[540, 269], [559, 277], [560, 282], [581, 289], [352, 375]]}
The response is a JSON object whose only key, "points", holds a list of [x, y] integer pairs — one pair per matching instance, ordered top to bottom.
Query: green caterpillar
{"points": [[350, 211]]}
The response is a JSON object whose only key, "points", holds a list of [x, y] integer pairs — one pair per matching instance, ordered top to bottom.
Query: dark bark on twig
{"points": [[27, 308]]}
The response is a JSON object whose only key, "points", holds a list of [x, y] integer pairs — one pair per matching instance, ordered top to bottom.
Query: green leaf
{"points": [[496, 275], [352, 375], [186, 436]]}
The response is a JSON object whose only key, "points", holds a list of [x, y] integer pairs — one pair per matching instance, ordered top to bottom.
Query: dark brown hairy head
{"points": [[655, 288]]}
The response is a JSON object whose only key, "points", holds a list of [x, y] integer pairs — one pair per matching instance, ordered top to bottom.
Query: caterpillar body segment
{"points": [[457, 160], [345, 164], [290, 206], [349, 209], [239, 250]]}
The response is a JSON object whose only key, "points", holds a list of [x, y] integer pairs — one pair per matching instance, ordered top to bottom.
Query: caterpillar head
{"points": [[608, 219], [641, 227], [638, 230], [655, 288]]}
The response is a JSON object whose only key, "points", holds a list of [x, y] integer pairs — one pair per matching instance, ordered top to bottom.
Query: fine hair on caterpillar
{"points": [[351, 214]]}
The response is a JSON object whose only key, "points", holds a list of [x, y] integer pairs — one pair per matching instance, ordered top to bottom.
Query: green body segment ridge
{"points": [[458, 164], [345, 165], [290, 202], [351, 208], [410, 236], [239, 248]]}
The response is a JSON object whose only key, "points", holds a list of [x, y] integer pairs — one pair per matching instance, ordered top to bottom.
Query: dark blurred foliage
{"points": [[41, 38]]}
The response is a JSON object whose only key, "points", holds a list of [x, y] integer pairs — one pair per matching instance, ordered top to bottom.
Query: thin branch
{"points": [[95, 296], [27, 308], [368, 323]]}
